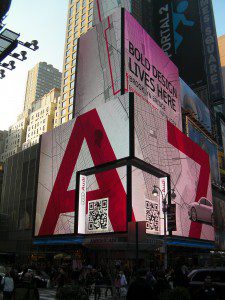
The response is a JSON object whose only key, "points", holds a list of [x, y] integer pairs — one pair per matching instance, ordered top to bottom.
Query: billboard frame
{"points": [[127, 162]]}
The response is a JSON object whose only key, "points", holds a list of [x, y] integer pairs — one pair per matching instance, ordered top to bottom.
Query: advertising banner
{"points": [[185, 30], [177, 31], [211, 52], [149, 73], [98, 78], [192, 103], [222, 126], [97, 137], [164, 146], [209, 147], [82, 204]]}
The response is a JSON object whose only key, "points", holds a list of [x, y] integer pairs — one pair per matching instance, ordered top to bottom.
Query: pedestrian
{"points": [[61, 278], [117, 285], [8, 286], [161, 286], [140, 288], [208, 291]]}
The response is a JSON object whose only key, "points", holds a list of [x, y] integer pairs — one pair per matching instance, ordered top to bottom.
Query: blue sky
{"points": [[45, 20]]}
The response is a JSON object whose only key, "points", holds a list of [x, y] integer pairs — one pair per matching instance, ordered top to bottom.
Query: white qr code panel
{"points": [[152, 216], [98, 219]]}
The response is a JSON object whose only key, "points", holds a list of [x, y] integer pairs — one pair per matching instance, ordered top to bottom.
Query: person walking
{"points": [[8, 286], [139, 288]]}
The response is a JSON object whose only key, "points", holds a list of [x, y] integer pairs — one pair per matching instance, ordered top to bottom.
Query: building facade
{"points": [[79, 20], [41, 79], [42, 118], [3, 136], [16, 136], [18, 201]]}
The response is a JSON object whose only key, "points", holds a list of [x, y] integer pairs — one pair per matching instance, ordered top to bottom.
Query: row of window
{"points": [[63, 119]]}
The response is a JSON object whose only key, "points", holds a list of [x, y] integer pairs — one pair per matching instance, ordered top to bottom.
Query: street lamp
{"points": [[10, 65], [155, 193]]}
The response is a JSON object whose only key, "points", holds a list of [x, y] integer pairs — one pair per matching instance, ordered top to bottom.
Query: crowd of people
{"points": [[108, 280]]}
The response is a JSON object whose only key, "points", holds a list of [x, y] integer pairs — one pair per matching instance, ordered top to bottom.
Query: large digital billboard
{"points": [[185, 30], [149, 73], [193, 104], [143, 125], [96, 137], [161, 144], [208, 146], [103, 209]]}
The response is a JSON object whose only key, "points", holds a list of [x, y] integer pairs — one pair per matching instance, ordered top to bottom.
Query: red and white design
{"points": [[95, 138]]}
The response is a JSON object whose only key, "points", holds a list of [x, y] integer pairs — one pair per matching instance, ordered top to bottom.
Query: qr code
{"points": [[98, 215], [152, 216]]}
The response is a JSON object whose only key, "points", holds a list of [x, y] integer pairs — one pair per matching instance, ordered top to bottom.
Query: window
{"points": [[78, 5], [70, 11], [90, 11], [83, 18], [90, 18], [82, 23], [90, 24], [82, 30], [69, 32], [76, 34], [69, 40], [74, 47], [67, 52], [74, 55], [67, 60], [74, 62], [66, 66], [73, 69], [66, 74], [72, 77], [65, 81], [72, 85], [65, 88], [71, 92], [64, 96], [71, 100], [64, 104], [70, 109], [63, 112], [70, 116], [63, 120], [202, 201], [200, 276]]}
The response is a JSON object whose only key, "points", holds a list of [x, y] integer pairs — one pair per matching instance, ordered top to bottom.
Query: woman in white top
{"points": [[8, 286]]}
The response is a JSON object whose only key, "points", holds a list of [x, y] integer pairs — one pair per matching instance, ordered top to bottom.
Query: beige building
{"points": [[79, 20], [221, 43], [40, 80], [42, 117], [16, 136], [3, 137]]}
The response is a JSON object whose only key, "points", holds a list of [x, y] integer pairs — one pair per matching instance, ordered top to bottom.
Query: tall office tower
{"points": [[79, 20], [221, 43], [41, 80]]}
